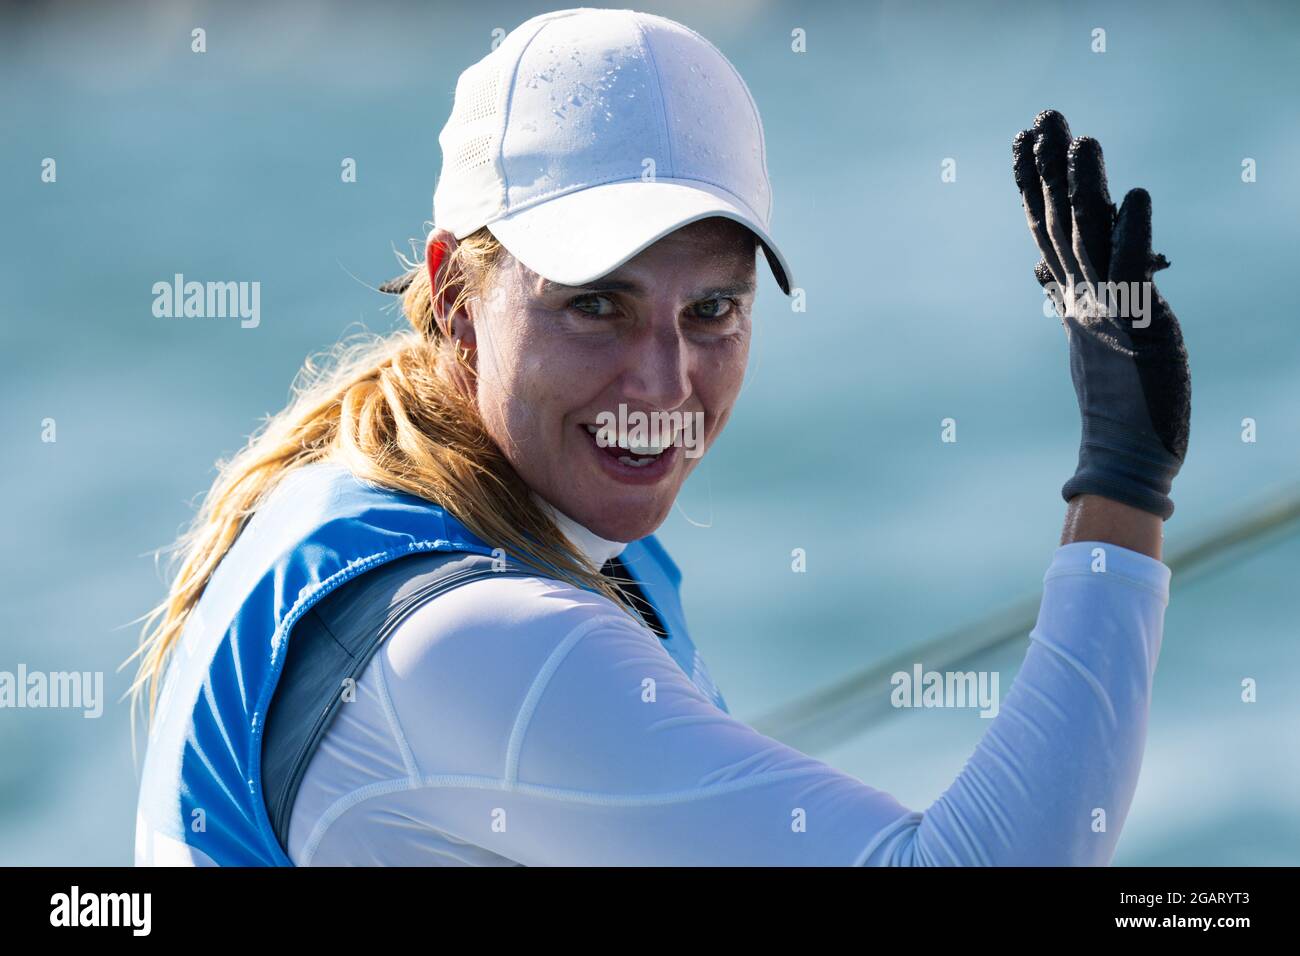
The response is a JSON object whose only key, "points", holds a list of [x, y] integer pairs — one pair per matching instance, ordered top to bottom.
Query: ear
{"points": [[437, 254]]}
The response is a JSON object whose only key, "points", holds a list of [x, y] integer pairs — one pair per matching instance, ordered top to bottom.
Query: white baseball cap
{"points": [[589, 134]]}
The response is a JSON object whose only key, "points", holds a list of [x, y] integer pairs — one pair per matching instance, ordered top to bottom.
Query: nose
{"points": [[658, 367]]}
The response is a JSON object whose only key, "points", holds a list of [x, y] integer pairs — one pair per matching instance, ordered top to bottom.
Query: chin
{"points": [[626, 523]]}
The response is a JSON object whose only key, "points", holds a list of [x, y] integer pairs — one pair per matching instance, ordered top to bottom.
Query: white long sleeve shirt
{"points": [[526, 721]]}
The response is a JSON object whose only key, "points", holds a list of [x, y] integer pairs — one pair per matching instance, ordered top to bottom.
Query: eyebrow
{"points": [[549, 287]]}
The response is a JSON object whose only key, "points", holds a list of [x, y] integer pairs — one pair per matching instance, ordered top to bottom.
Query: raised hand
{"points": [[1127, 358]]}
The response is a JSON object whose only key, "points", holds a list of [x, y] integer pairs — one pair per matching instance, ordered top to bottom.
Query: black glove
{"points": [[1126, 355]]}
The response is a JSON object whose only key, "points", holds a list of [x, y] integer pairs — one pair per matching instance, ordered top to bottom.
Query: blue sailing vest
{"points": [[202, 800]]}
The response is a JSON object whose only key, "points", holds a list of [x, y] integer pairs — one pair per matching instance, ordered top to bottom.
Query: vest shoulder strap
{"points": [[331, 645]]}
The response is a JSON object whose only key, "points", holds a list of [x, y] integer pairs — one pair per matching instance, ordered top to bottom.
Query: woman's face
{"points": [[666, 332]]}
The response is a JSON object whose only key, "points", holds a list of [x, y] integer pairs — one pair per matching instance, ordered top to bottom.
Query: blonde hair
{"points": [[389, 409]]}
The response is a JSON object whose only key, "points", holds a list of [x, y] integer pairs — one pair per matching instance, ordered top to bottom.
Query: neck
{"points": [[596, 549]]}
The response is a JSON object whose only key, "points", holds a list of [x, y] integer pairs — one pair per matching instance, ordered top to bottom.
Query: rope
{"points": [[847, 708]]}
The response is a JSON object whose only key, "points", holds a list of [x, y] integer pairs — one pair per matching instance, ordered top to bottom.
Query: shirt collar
{"points": [[597, 550]]}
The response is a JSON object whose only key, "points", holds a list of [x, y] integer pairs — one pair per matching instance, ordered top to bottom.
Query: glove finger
{"points": [[1050, 148], [1031, 195], [1093, 212], [1131, 257], [1132, 265], [1043, 273]]}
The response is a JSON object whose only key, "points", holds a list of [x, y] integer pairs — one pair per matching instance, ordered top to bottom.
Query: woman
{"points": [[422, 618]]}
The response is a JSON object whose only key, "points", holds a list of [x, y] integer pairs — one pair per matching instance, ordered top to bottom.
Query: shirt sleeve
{"points": [[581, 742]]}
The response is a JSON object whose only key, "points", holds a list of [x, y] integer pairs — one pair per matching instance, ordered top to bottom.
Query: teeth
{"points": [[643, 451], [635, 462]]}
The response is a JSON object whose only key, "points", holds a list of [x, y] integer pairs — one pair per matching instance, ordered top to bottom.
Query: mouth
{"points": [[631, 464]]}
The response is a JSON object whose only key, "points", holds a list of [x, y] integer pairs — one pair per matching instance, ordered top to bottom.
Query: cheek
{"points": [[500, 369], [718, 385], [521, 393]]}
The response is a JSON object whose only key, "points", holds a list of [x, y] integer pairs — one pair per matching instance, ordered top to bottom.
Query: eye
{"points": [[582, 304], [714, 308]]}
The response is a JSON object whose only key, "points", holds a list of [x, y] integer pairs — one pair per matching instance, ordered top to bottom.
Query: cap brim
{"points": [[583, 235]]}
